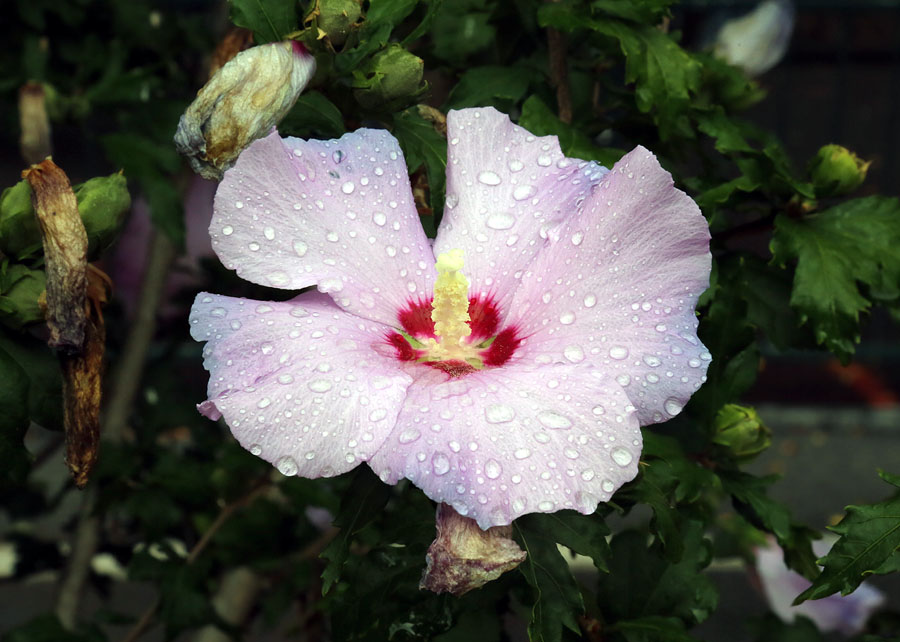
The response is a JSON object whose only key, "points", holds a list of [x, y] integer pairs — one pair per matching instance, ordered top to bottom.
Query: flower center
{"points": [[453, 332]]}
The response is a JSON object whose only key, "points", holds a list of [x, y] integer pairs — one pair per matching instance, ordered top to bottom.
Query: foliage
{"points": [[347, 553]]}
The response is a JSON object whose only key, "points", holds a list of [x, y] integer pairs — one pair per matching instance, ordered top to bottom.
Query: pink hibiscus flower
{"points": [[511, 375]]}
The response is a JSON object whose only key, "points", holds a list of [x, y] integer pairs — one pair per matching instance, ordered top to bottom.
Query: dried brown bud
{"points": [[240, 103], [34, 141], [65, 251], [463, 557]]}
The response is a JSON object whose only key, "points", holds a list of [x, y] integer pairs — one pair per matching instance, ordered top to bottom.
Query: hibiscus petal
{"points": [[506, 189], [337, 214], [619, 287], [301, 383], [503, 442]]}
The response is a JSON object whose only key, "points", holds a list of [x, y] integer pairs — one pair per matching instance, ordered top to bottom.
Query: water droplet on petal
{"points": [[544, 161], [516, 166], [489, 178], [348, 187], [523, 191], [379, 218], [500, 221], [227, 230], [269, 233], [577, 238], [300, 248], [590, 301], [218, 312], [567, 318], [618, 352], [574, 353], [651, 360], [285, 379], [320, 385], [672, 406], [498, 413], [554, 420], [408, 436], [255, 449], [522, 453], [621, 456], [440, 464], [287, 466], [492, 469], [587, 475], [608, 486], [546, 506]]}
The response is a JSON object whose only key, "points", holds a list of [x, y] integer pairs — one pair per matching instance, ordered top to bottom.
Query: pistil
{"points": [[450, 308]]}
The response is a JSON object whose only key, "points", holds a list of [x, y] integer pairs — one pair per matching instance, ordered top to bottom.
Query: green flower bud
{"points": [[337, 17], [391, 77], [836, 171], [102, 203], [20, 236], [20, 292], [740, 430]]}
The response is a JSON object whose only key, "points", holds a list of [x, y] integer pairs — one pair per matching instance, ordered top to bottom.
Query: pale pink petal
{"points": [[506, 189], [337, 214], [618, 286], [300, 383], [499, 443], [844, 613]]}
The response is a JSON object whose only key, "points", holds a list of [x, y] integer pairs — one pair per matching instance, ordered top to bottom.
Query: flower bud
{"points": [[337, 17], [392, 75], [240, 103], [836, 171], [102, 204], [20, 293], [740, 430], [463, 557]]}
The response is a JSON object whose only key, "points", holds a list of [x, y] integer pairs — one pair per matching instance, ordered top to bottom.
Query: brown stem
{"points": [[559, 74], [124, 389]]}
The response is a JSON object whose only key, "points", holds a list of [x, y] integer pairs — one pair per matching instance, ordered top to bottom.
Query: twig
{"points": [[559, 74], [124, 389], [224, 515]]}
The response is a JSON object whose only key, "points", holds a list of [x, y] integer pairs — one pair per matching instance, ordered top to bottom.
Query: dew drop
{"points": [[544, 161], [516, 166], [489, 178], [348, 187], [523, 191], [379, 218], [500, 221], [227, 230], [269, 233], [577, 238], [300, 248], [590, 301], [218, 312], [567, 318], [618, 352], [574, 353], [652, 360], [285, 379], [623, 380], [320, 385], [672, 406], [498, 413], [378, 414], [554, 420], [408, 436], [255, 449], [522, 453], [621, 456], [440, 464], [287, 466], [492, 469], [587, 475], [608, 486], [546, 506]]}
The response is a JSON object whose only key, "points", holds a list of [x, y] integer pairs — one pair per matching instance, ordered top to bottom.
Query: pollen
{"points": [[450, 306]]}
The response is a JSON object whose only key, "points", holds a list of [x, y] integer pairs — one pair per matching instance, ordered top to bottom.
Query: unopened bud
{"points": [[337, 17], [392, 76], [240, 103], [34, 141], [836, 171], [102, 203], [20, 293], [740, 430], [463, 557]]}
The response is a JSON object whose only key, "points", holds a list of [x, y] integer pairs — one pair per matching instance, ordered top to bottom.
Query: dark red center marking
{"points": [[484, 320]]}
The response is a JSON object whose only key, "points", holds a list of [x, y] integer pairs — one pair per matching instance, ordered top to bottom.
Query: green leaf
{"points": [[648, 11], [381, 19], [269, 20], [462, 28], [665, 75], [498, 86], [313, 116], [541, 121], [722, 127], [424, 146], [837, 250], [20, 289], [42, 375], [14, 458], [750, 498], [362, 502], [584, 534], [870, 539], [642, 583], [557, 600], [48, 628], [654, 628]]}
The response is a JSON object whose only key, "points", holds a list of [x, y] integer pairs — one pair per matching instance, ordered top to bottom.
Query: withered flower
{"points": [[242, 102]]}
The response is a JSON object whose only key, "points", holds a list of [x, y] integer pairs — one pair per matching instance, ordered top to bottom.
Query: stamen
{"points": [[450, 307]]}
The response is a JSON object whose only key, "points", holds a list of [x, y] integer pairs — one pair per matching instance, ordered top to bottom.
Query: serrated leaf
{"points": [[381, 18], [269, 20], [490, 85], [313, 116], [541, 121], [716, 124], [423, 146], [837, 250], [750, 498], [362, 502], [584, 534], [870, 539], [642, 583], [557, 600]]}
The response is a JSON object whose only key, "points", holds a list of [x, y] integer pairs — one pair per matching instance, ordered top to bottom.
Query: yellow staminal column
{"points": [[450, 307]]}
